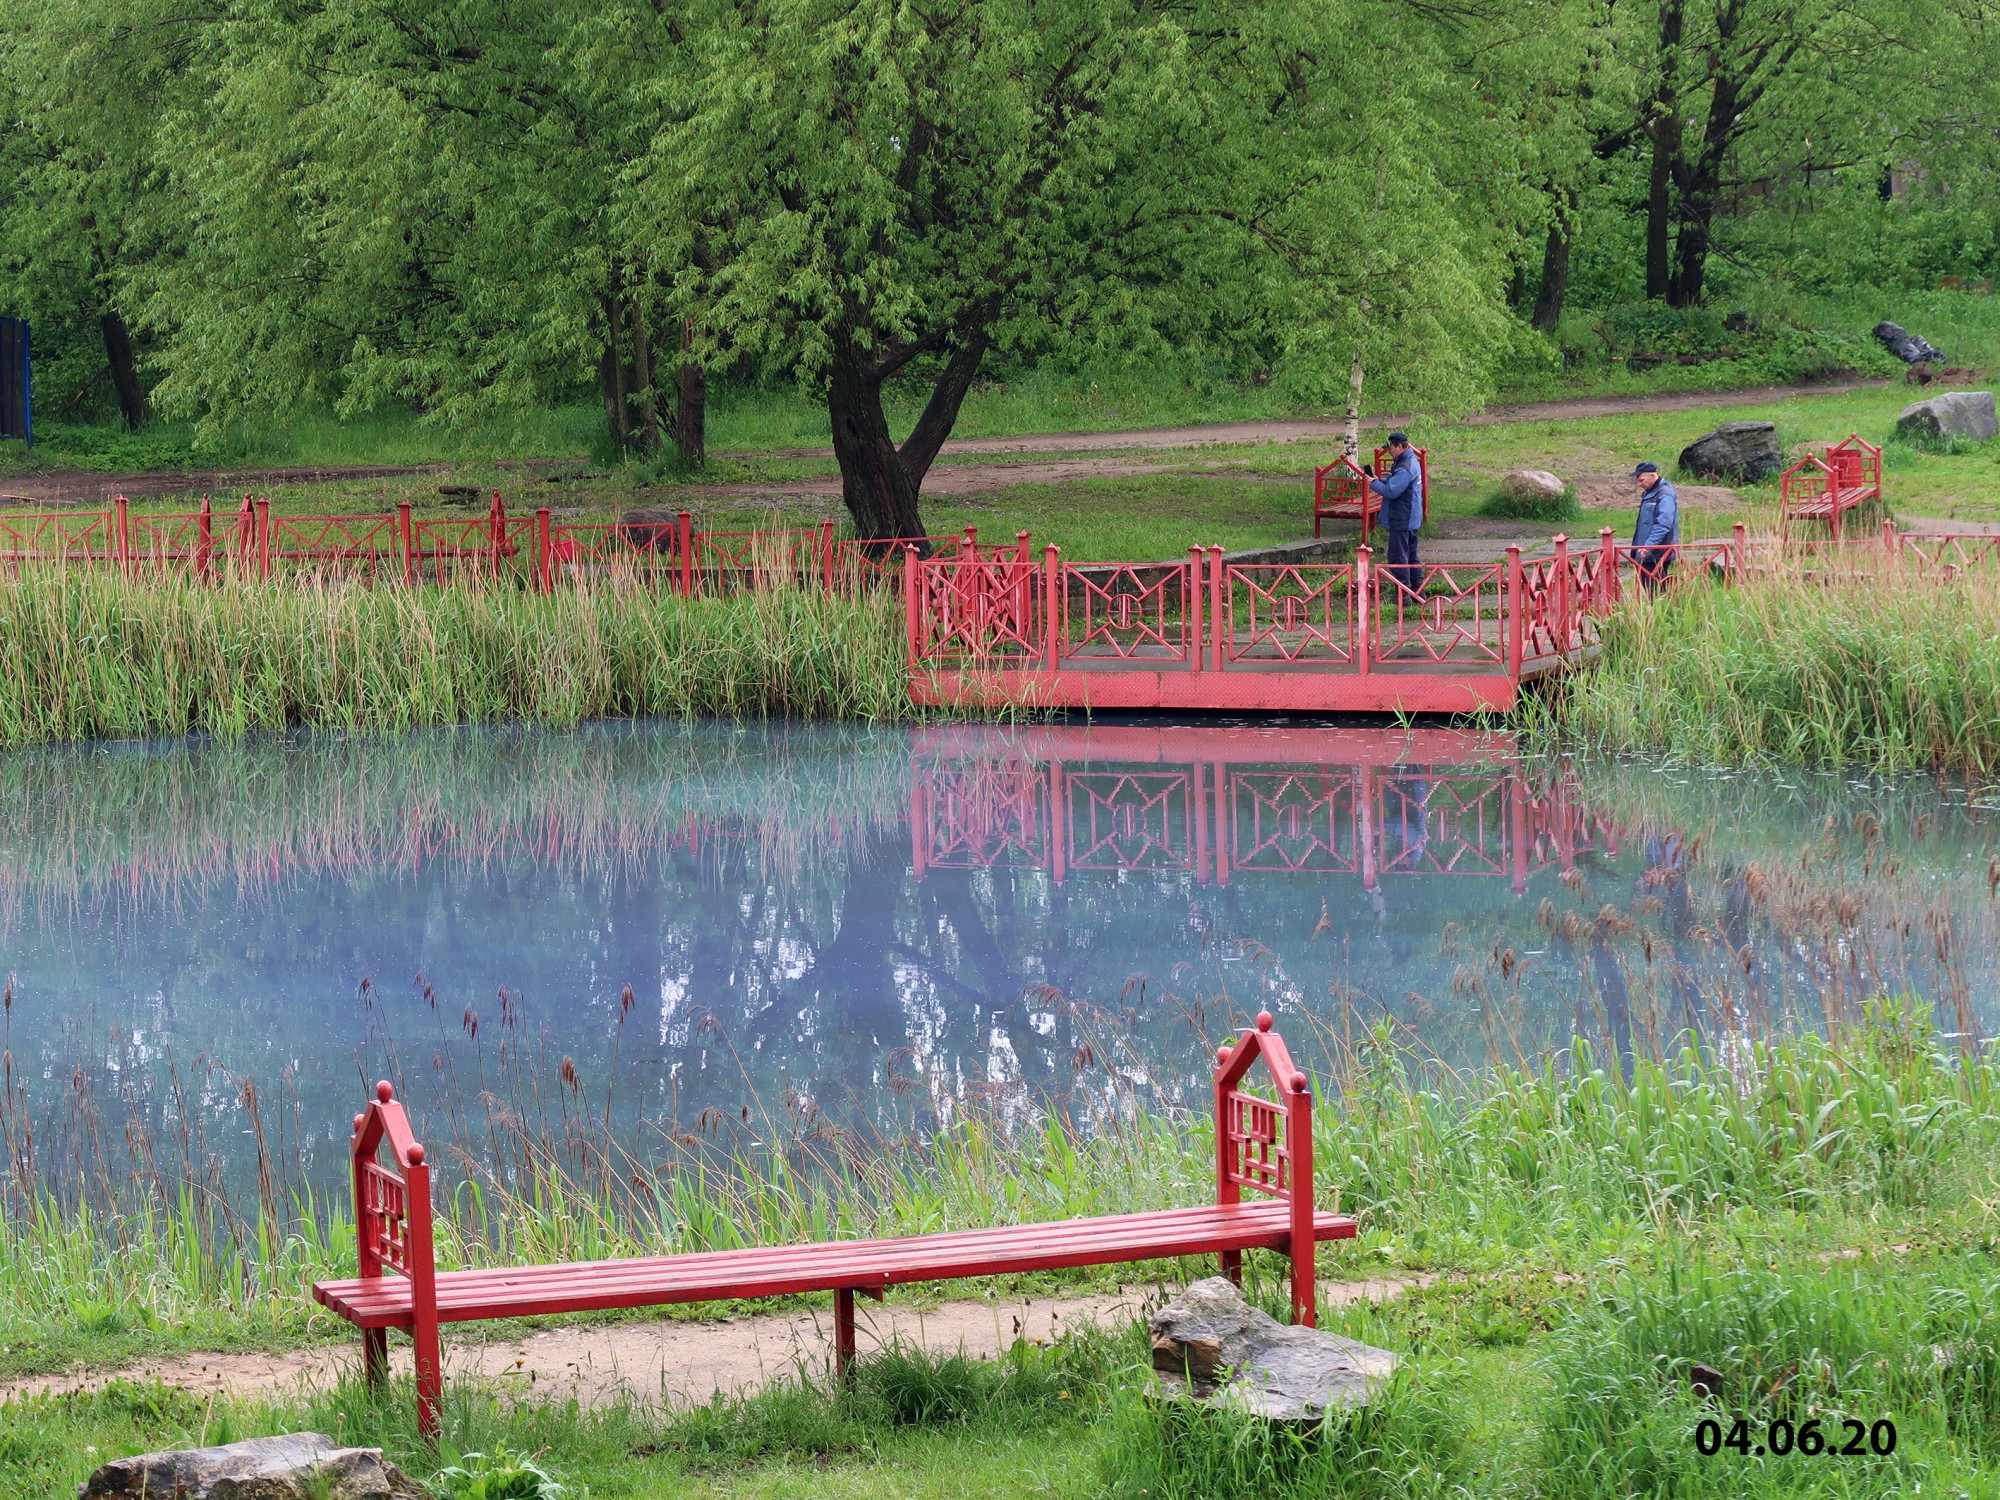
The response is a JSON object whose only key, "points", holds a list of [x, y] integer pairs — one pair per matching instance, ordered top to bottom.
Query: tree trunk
{"points": [[1665, 130], [1704, 183], [1660, 205], [1555, 265], [124, 370], [611, 378], [646, 412], [691, 417], [1350, 443], [873, 481], [879, 481]]}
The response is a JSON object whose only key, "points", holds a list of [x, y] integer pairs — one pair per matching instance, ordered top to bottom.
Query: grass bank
{"points": [[91, 655], [1873, 666], [1813, 1218]]}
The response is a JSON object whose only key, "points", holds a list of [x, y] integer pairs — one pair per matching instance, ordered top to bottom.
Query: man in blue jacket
{"points": [[1402, 492], [1656, 536]]}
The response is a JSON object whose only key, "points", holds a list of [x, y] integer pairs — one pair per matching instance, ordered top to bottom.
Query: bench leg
{"points": [[1232, 1265], [1305, 1294], [843, 1333], [374, 1356], [430, 1377]]}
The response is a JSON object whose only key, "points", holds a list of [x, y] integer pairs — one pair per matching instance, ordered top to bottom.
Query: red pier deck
{"points": [[1002, 627]]}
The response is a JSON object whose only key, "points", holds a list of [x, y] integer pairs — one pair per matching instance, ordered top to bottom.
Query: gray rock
{"points": [[1910, 348], [1951, 414], [1736, 450], [1531, 484], [1234, 1355], [298, 1466]]}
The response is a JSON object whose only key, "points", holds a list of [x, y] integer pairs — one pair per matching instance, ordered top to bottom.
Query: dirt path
{"points": [[1312, 429], [82, 487], [670, 1360]]}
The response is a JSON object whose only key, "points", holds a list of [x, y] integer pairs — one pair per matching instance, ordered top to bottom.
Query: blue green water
{"points": [[886, 928]]}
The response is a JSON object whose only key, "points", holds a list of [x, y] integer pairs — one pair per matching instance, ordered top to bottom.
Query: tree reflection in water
{"points": [[879, 929]]}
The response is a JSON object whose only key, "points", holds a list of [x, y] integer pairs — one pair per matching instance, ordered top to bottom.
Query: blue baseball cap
{"points": [[1399, 437], [1649, 467]]}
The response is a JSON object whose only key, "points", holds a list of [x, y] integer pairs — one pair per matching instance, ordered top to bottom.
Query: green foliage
{"points": [[1502, 506], [94, 654], [1876, 666], [1408, 1443], [499, 1475]]}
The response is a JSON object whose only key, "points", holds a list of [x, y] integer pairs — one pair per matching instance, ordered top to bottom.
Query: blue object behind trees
{"points": [[17, 407]]}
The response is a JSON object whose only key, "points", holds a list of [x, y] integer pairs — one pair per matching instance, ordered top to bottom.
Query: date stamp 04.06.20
{"points": [[1843, 1437]]}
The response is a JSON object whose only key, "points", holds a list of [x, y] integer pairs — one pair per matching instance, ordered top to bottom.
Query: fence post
{"points": [[206, 526], [496, 526], [121, 532], [264, 537], [686, 538], [406, 543], [1891, 544], [1739, 551], [826, 555], [1607, 569], [545, 570], [1561, 581], [1195, 583], [913, 605], [1052, 607], [1364, 610], [1218, 611], [1516, 613]]}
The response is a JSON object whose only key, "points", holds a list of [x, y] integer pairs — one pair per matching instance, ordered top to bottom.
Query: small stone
{"points": [[1951, 414], [1747, 451], [1531, 484], [1236, 1356], [297, 1466]]}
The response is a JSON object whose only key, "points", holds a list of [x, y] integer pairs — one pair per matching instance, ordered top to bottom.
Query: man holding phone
{"points": [[1402, 492]]}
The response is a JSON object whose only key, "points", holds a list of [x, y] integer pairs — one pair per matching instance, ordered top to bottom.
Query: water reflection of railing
{"points": [[1243, 803]]}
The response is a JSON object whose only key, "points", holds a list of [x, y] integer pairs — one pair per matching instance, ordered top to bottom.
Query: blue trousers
{"points": [[1404, 565]]}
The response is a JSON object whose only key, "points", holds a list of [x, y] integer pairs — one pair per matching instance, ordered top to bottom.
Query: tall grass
{"points": [[93, 655], [1873, 666]]}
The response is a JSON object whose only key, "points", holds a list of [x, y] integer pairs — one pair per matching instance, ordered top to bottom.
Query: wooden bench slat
{"points": [[464, 1296]]}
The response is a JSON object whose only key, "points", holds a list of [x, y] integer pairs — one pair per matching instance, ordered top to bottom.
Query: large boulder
{"points": [[1910, 348], [1952, 414], [1746, 451], [1531, 484], [1239, 1356], [298, 1466]]}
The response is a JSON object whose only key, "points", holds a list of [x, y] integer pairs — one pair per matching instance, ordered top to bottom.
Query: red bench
{"points": [[1826, 488], [1341, 493], [1261, 1144]]}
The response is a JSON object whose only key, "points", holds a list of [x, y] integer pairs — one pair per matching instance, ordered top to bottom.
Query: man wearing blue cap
{"points": [[1402, 492], [1656, 536]]}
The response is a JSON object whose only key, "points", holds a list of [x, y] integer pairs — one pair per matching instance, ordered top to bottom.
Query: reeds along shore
{"points": [[94, 654], [1862, 661]]}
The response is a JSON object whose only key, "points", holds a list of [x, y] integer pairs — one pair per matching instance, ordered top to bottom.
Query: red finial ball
{"points": [[1263, 1020], [1222, 1053], [1298, 1083], [384, 1092], [358, 1119], [415, 1156]]}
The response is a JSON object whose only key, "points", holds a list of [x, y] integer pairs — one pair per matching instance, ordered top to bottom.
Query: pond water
{"points": [[671, 925]]}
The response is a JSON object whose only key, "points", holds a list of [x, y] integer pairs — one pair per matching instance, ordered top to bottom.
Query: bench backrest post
{"points": [[1252, 1150], [392, 1231]]}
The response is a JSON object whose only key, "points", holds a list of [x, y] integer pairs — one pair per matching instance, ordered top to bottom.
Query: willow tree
{"points": [[895, 192], [421, 203]]}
